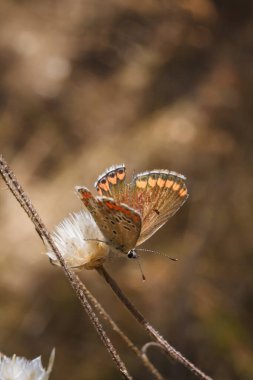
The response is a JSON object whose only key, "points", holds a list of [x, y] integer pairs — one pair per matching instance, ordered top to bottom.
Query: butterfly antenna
{"points": [[99, 241], [157, 253], [140, 267]]}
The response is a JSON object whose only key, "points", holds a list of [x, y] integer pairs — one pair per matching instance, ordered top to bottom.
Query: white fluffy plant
{"points": [[80, 242], [18, 368]]}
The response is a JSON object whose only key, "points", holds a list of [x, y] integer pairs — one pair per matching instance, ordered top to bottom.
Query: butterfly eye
{"points": [[120, 171], [112, 175], [103, 181], [132, 254]]}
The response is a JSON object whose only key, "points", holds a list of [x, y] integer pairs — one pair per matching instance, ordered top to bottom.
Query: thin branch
{"points": [[23, 199], [150, 329], [150, 344], [142, 355]]}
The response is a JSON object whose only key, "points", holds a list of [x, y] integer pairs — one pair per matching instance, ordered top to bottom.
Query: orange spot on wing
{"points": [[121, 176], [112, 180], [152, 182], [160, 182], [141, 183], [169, 183], [104, 186], [176, 186], [182, 192], [86, 195], [110, 205], [113, 206], [125, 211], [129, 213], [135, 218]]}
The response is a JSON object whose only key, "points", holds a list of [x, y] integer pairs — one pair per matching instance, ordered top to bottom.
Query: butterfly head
{"points": [[132, 254]]}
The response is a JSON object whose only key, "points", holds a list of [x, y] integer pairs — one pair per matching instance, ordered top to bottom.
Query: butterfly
{"points": [[130, 213]]}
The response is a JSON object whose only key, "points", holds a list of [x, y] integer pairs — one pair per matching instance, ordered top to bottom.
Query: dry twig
{"points": [[82, 293], [150, 329], [139, 353]]}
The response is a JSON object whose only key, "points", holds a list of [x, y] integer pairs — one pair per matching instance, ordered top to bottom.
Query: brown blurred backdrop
{"points": [[85, 84]]}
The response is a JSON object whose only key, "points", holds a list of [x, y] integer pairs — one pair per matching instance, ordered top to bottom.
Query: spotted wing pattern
{"points": [[112, 183], [157, 195], [119, 223]]}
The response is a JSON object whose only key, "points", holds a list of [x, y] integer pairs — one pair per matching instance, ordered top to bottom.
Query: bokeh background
{"points": [[85, 84]]}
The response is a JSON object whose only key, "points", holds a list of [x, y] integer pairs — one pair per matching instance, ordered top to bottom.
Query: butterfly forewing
{"points": [[157, 195], [119, 224], [125, 224]]}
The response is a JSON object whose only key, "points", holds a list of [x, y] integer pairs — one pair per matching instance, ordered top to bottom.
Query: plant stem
{"points": [[171, 351], [140, 353]]}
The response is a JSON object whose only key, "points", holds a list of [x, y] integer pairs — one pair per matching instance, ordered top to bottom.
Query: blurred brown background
{"points": [[155, 84]]}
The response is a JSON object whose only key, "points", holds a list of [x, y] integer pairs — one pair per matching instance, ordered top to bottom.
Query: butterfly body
{"points": [[129, 213]]}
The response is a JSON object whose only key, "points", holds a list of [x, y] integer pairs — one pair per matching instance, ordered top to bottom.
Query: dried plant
{"points": [[27, 205], [84, 295], [22, 369]]}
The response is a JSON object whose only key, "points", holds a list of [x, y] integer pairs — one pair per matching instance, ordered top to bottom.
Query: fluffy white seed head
{"points": [[79, 241], [18, 368]]}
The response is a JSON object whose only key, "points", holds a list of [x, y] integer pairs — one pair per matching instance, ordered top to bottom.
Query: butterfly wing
{"points": [[112, 183], [157, 195], [119, 223]]}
